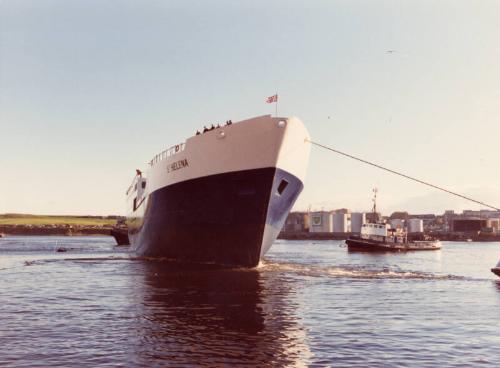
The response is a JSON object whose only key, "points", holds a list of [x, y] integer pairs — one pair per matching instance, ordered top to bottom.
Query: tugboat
{"points": [[120, 233], [379, 236], [496, 269]]}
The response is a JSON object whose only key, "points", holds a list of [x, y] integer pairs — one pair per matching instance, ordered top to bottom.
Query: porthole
{"points": [[282, 186]]}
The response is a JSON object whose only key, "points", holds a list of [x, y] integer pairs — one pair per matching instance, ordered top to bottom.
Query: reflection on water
{"points": [[497, 284], [306, 305], [216, 316]]}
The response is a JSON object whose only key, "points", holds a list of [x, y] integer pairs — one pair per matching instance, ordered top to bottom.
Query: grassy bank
{"points": [[35, 220]]}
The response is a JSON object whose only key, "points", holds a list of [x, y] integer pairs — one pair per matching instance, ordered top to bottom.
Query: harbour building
{"points": [[358, 219], [338, 221], [297, 222], [321, 222], [341, 222], [397, 223], [415, 225], [468, 225]]}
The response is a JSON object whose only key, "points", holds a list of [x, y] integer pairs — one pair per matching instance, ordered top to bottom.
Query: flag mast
{"points": [[273, 99], [276, 111]]}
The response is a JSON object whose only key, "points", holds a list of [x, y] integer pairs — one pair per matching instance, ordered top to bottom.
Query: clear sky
{"points": [[91, 90]]}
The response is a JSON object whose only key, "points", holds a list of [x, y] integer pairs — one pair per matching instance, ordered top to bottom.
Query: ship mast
{"points": [[374, 209]]}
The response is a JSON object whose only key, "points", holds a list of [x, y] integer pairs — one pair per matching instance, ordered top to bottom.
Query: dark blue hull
{"points": [[216, 219]]}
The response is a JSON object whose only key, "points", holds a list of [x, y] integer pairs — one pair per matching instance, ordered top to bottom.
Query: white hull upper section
{"points": [[250, 144]]}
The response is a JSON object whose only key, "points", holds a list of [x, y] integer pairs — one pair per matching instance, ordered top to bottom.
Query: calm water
{"points": [[308, 304]]}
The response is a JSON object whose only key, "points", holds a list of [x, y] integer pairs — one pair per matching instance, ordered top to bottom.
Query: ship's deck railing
{"points": [[167, 153]]}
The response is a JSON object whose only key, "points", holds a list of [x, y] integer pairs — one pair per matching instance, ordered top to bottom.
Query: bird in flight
{"points": [[390, 51]]}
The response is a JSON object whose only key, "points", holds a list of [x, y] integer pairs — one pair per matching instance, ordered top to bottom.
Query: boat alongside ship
{"points": [[222, 196], [121, 236], [380, 236], [496, 269]]}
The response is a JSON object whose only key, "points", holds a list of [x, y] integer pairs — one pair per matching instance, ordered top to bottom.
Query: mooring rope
{"points": [[403, 175]]}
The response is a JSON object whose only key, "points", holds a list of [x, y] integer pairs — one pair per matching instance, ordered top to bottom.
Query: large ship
{"points": [[223, 195]]}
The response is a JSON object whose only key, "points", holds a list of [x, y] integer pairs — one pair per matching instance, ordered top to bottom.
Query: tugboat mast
{"points": [[374, 209]]}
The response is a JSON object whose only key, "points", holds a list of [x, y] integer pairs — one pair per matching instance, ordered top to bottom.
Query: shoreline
{"points": [[52, 230], [81, 230], [443, 236]]}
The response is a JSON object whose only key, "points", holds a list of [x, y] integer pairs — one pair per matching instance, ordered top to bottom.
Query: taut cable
{"points": [[403, 175]]}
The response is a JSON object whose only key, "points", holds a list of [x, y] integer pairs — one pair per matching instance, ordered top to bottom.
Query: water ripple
{"points": [[354, 272], [305, 305]]}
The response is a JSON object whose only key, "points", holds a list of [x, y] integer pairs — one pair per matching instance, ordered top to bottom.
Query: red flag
{"points": [[272, 99]]}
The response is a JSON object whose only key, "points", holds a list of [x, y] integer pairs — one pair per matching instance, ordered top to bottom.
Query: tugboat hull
{"points": [[121, 236], [370, 245]]}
